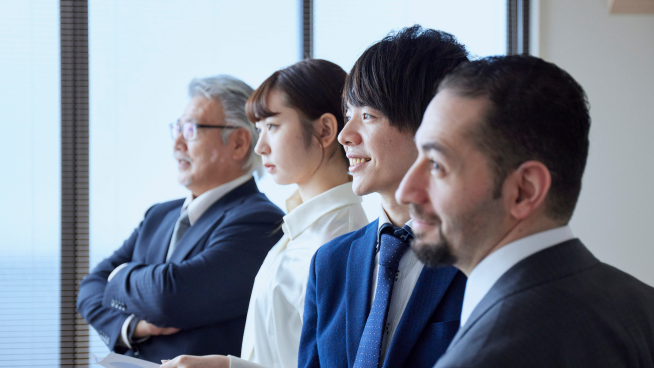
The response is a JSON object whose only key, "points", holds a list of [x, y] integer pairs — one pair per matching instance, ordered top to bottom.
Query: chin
{"points": [[185, 180], [281, 180], [359, 187], [433, 251]]}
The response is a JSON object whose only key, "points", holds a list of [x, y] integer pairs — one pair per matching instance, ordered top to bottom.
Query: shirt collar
{"points": [[198, 206], [307, 213], [383, 219], [491, 268]]}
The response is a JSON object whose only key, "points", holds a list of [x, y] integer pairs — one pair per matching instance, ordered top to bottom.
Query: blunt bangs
{"points": [[256, 107]]}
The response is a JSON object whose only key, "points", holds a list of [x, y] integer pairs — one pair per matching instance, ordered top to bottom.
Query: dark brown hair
{"points": [[399, 75], [313, 87], [538, 112]]}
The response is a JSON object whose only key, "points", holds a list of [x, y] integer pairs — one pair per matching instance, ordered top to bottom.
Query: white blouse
{"points": [[274, 320]]}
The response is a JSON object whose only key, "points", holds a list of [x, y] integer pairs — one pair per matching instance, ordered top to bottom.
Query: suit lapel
{"points": [[212, 216], [161, 241], [552, 263], [360, 265], [425, 298]]}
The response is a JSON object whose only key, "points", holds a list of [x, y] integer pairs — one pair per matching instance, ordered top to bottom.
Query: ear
{"points": [[326, 127], [239, 142], [527, 189]]}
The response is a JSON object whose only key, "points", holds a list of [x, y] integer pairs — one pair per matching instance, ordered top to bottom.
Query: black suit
{"points": [[560, 307]]}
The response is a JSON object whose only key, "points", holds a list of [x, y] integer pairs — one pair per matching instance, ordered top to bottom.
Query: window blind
{"points": [[517, 27], [307, 29], [74, 345]]}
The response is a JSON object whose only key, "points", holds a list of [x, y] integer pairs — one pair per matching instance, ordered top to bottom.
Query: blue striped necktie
{"points": [[392, 248]]}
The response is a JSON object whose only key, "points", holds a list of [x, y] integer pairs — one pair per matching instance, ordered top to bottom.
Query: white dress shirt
{"points": [[196, 208], [496, 264], [409, 270], [274, 319]]}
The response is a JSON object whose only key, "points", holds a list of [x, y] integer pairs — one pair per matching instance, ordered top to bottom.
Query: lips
{"points": [[181, 158], [183, 163]]}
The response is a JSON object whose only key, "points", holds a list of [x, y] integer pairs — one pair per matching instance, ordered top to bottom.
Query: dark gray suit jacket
{"points": [[560, 307]]}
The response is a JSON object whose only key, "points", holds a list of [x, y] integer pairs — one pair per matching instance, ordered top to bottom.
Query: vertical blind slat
{"points": [[74, 177]]}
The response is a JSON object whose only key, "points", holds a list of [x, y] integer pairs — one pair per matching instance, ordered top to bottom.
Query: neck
{"points": [[330, 174], [398, 214], [519, 230]]}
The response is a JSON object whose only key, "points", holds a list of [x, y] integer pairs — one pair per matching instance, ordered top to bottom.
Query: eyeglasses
{"points": [[189, 130]]}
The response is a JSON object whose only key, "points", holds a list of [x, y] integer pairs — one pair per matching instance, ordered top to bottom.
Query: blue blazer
{"points": [[204, 289], [337, 305]]}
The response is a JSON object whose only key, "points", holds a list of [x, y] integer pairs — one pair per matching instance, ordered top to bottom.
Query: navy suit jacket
{"points": [[204, 288], [337, 305], [560, 307]]}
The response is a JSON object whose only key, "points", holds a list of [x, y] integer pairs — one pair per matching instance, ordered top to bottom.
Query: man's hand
{"points": [[144, 328], [189, 361]]}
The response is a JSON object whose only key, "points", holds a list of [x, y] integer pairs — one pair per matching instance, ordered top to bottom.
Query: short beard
{"points": [[434, 255]]}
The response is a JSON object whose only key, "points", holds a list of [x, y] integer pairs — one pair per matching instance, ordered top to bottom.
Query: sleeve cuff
{"points": [[115, 271], [125, 332], [235, 362]]}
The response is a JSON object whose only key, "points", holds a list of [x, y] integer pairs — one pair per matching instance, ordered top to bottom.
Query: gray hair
{"points": [[232, 94]]}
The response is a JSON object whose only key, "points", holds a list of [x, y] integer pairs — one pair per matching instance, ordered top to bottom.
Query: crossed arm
{"points": [[209, 288], [206, 289], [106, 321]]}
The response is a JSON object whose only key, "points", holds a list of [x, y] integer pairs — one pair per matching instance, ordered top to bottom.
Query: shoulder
{"points": [[246, 199], [164, 207], [254, 207], [344, 220], [340, 246], [602, 286], [619, 288], [575, 304]]}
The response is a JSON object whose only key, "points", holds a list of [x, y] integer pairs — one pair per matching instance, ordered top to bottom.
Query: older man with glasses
{"points": [[181, 283]]}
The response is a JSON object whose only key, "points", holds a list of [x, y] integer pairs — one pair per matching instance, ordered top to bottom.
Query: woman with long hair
{"points": [[298, 113]]}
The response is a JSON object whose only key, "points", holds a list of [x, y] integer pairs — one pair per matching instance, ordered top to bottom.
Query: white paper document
{"points": [[120, 361]]}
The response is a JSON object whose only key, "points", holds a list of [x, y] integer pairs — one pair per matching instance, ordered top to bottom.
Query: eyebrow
{"points": [[433, 146]]}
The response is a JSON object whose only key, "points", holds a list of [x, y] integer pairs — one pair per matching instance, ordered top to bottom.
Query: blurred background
{"points": [[56, 223]]}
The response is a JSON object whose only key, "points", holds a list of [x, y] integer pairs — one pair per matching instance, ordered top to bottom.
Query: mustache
{"points": [[180, 156], [418, 212]]}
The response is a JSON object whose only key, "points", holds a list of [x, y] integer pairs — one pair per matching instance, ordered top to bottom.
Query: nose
{"points": [[349, 135], [179, 144], [262, 148], [414, 185]]}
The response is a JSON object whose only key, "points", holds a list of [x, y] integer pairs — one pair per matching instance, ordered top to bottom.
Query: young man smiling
{"points": [[363, 283]]}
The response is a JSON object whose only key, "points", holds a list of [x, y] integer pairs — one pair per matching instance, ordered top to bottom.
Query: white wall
{"points": [[612, 57]]}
